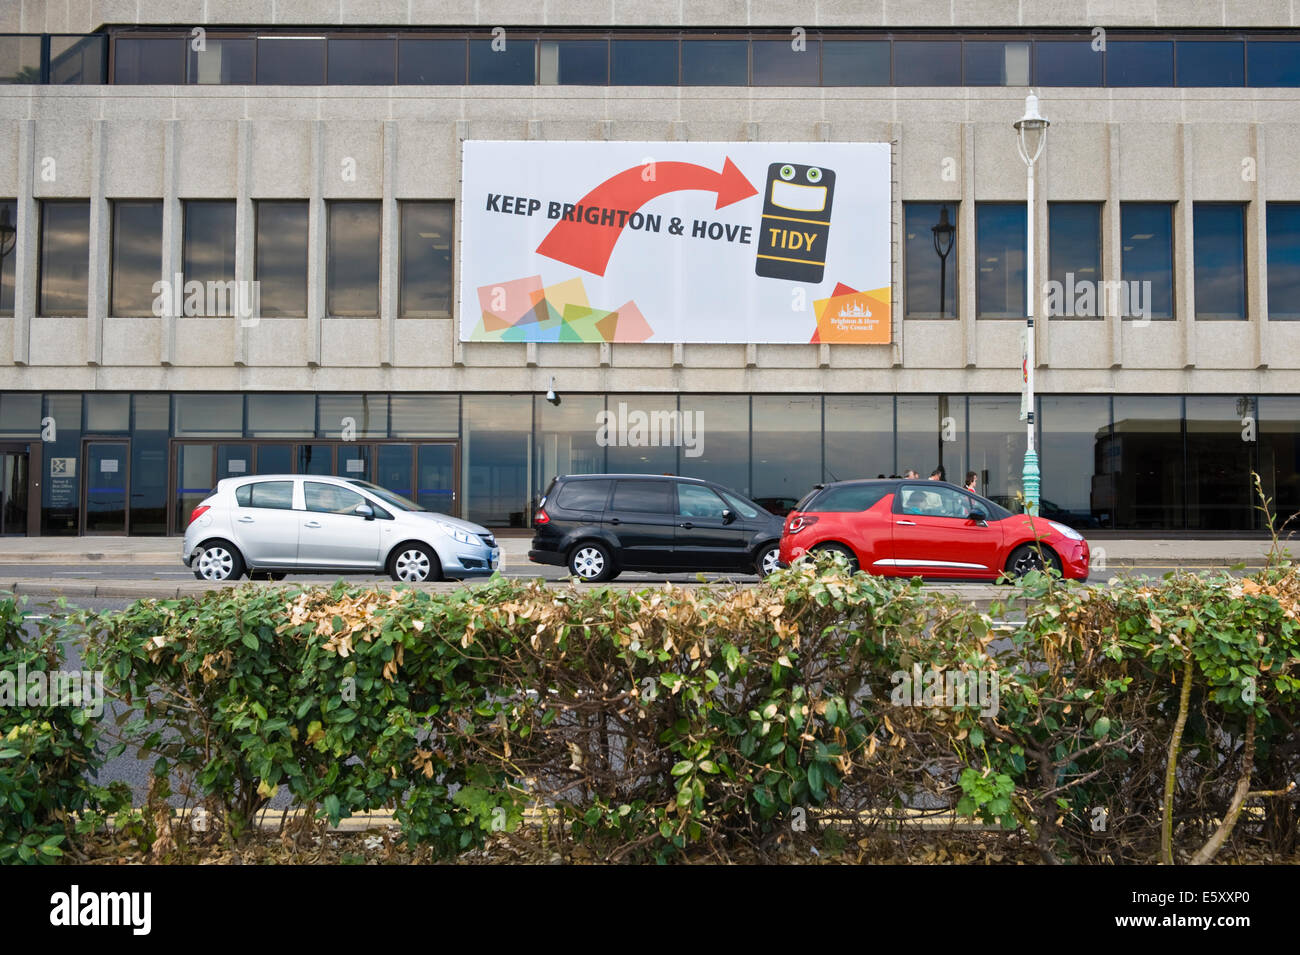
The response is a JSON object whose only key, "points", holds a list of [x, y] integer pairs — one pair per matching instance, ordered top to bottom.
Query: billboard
{"points": [[778, 243]]}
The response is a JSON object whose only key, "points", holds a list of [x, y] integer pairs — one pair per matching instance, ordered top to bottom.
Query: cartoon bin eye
{"points": [[787, 173], [814, 174]]}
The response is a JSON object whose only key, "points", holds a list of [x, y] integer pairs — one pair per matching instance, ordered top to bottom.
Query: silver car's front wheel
{"points": [[218, 561], [414, 565]]}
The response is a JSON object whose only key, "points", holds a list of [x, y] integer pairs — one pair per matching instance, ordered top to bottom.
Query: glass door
{"points": [[14, 475], [193, 480], [107, 483], [435, 485]]}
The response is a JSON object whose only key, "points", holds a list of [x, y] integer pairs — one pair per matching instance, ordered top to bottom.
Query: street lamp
{"points": [[1031, 137], [943, 234]]}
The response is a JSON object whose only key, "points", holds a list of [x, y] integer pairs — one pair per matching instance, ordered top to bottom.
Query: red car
{"points": [[910, 528]]}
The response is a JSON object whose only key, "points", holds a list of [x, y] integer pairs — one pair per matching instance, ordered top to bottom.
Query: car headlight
{"points": [[1069, 532], [455, 533]]}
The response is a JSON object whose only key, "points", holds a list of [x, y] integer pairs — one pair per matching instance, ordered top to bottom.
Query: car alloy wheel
{"points": [[849, 556], [1027, 558], [769, 560], [218, 562], [590, 562], [414, 565]]}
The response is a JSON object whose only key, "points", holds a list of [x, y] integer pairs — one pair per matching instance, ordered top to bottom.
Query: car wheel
{"points": [[851, 557], [1026, 558], [768, 560], [219, 561], [592, 563], [414, 564]]}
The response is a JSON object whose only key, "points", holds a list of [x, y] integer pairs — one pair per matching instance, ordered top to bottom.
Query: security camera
{"points": [[551, 396]]}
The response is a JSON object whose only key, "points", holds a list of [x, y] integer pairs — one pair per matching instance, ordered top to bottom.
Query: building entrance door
{"points": [[107, 482], [18, 497]]}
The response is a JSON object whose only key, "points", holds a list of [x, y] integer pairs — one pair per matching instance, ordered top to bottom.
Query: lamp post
{"points": [[1031, 137], [943, 235]]}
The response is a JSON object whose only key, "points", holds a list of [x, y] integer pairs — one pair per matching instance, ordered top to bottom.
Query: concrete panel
{"points": [[174, 12], [239, 12], [357, 12], [445, 12], [1259, 13], [62, 157], [1076, 158], [133, 159], [281, 160], [353, 160], [208, 166], [1149, 168], [931, 169], [1218, 170], [1283, 174], [1000, 175], [59, 341], [132, 341], [6, 342], [205, 342], [277, 342], [350, 342], [422, 342], [1076, 343], [933, 344], [997, 344], [1153, 345], [1225, 345], [643, 356], [787, 356], [862, 356]]}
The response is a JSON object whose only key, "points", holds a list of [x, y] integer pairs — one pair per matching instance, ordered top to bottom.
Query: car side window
{"points": [[271, 494], [643, 497], [330, 498], [696, 501], [935, 502]]}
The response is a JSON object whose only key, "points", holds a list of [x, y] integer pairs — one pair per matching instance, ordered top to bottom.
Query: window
{"points": [[20, 59], [79, 60], [149, 60], [224, 60], [290, 61], [361, 61], [431, 62], [574, 62], [644, 62], [1274, 62], [715, 63], [778, 63], [855, 63], [927, 63], [1067, 63], [1140, 63], [1211, 63], [511, 64], [997, 64], [1000, 243], [8, 250], [65, 256], [137, 256], [208, 256], [281, 258], [1147, 259], [930, 260], [1219, 260], [1074, 261], [1283, 261], [352, 275], [425, 276], [281, 415], [209, 416], [361, 416], [424, 416], [631, 426], [931, 432], [497, 435], [567, 439], [859, 441], [787, 443], [716, 446], [997, 448], [1279, 453], [1144, 454], [1219, 463], [1075, 465], [273, 494], [584, 495], [642, 497], [330, 498], [849, 498], [696, 501], [933, 501]]}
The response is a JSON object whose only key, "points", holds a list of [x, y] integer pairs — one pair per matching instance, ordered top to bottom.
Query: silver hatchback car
{"points": [[268, 525]]}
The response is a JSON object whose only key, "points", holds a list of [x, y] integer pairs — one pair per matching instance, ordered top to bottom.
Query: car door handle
{"points": [[246, 520], [615, 520], [906, 523], [312, 524], [688, 525]]}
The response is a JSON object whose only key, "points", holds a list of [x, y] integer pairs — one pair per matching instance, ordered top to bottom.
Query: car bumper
{"points": [[553, 557], [1075, 557], [471, 562]]}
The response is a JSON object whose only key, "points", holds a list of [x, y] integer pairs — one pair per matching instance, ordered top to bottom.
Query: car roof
{"points": [[644, 477], [241, 478]]}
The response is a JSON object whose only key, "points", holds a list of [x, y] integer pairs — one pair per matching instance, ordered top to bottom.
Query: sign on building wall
{"points": [[675, 242]]}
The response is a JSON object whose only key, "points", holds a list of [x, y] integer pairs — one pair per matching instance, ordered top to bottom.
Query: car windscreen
{"points": [[388, 497], [846, 497], [748, 509]]}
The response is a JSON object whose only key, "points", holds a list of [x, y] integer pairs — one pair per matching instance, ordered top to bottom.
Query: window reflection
{"points": [[20, 59], [77, 60], [149, 60], [224, 60], [290, 61], [362, 61], [431, 62], [574, 62], [644, 62], [715, 63], [777, 63], [855, 63], [927, 63], [1067, 63], [1140, 63], [1211, 63], [1274, 63], [997, 64], [512, 65], [9, 217], [1000, 242], [208, 251], [65, 256], [137, 256], [1147, 256], [930, 259], [1074, 260], [1219, 260], [1283, 260], [281, 267], [352, 274], [425, 278], [635, 431], [931, 433], [859, 437], [566, 439], [1074, 441], [787, 442], [496, 444], [719, 448], [997, 449], [1279, 453], [1145, 456], [1219, 463]]}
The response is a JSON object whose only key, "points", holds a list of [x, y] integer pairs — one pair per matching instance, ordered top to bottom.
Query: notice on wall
{"points": [[675, 242], [108, 466], [237, 466], [356, 466], [61, 491]]}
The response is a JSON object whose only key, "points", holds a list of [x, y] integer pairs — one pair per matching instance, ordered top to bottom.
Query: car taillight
{"points": [[198, 512], [542, 517], [799, 522]]}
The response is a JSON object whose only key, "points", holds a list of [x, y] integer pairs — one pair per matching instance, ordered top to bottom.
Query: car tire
{"points": [[851, 557], [1025, 558], [767, 559], [218, 561], [592, 563], [414, 564]]}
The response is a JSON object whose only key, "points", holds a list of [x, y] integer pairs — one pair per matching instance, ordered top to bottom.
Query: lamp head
{"points": [[1031, 130], [943, 233], [551, 396]]}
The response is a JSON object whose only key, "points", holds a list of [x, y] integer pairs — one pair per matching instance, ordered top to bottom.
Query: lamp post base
{"points": [[1031, 482]]}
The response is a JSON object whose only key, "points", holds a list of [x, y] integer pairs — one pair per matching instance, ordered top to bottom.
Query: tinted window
{"points": [[20, 59], [78, 60], [149, 60], [222, 60], [361, 61], [291, 62], [431, 62], [574, 62], [644, 63], [715, 63], [778, 63], [855, 63], [927, 63], [1067, 63], [1140, 63], [1211, 63], [1274, 63], [997, 64], [514, 65], [8, 220], [1000, 236], [208, 253], [137, 256], [1147, 256], [65, 257], [1074, 259], [1219, 260], [1283, 260], [281, 267], [926, 271], [352, 272], [425, 284], [277, 494], [584, 495], [645, 497], [848, 497], [331, 499], [696, 501], [934, 501], [745, 508]]}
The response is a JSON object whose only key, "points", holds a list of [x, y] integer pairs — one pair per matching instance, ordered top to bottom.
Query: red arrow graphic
{"points": [[588, 245]]}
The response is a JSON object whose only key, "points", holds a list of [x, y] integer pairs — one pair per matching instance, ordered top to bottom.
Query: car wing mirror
{"points": [[366, 511], [728, 515], [978, 516]]}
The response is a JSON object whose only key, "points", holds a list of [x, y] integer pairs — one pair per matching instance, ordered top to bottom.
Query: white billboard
{"points": [[675, 242]]}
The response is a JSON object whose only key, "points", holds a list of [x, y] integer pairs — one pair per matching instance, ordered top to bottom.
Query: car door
{"points": [[641, 516], [266, 523], [332, 534], [935, 536], [705, 539]]}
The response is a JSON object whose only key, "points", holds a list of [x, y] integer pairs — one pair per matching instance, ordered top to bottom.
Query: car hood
{"points": [[455, 522]]}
